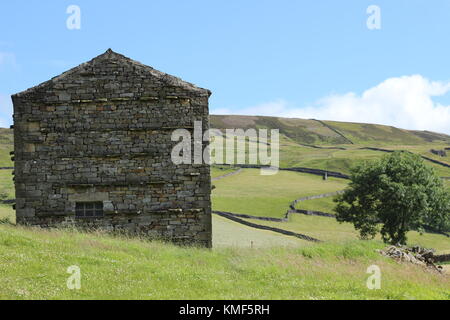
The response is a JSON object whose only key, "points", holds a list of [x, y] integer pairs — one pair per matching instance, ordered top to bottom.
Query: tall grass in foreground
{"points": [[33, 265]]}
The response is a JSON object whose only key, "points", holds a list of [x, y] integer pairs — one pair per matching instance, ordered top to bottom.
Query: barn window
{"points": [[89, 209]]}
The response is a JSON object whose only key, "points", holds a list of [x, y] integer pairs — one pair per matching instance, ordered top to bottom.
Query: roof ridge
{"points": [[107, 55]]}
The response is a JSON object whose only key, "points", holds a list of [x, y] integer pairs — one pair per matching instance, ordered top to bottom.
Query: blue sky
{"points": [[284, 58]]}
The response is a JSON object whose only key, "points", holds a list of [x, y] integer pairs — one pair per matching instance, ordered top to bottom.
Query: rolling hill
{"points": [[328, 133], [337, 146]]}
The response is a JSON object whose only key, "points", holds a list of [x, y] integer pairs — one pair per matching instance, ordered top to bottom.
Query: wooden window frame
{"points": [[89, 210]]}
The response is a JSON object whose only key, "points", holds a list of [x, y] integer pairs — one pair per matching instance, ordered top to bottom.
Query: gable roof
{"points": [[109, 56]]}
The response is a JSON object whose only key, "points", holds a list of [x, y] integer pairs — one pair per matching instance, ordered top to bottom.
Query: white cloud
{"points": [[404, 102]]}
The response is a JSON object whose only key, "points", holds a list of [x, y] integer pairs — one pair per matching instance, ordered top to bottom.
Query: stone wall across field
{"points": [[101, 133], [423, 157], [318, 172], [236, 218], [442, 258]]}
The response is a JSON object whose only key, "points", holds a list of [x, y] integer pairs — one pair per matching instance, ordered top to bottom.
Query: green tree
{"points": [[394, 195]]}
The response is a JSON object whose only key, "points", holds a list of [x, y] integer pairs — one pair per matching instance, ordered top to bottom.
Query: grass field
{"points": [[6, 146], [425, 150], [292, 155], [218, 171], [7, 184], [251, 193], [327, 204], [324, 205], [6, 212], [328, 229], [227, 233], [33, 265]]}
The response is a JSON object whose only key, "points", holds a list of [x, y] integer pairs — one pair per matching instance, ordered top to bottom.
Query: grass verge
{"points": [[34, 262]]}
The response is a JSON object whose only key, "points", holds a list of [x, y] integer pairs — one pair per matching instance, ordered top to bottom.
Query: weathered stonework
{"points": [[101, 132]]}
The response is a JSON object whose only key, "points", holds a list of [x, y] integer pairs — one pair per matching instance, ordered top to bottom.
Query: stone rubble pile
{"points": [[416, 255]]}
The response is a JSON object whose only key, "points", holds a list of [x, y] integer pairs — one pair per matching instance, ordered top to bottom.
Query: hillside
{"points": [[298, 130], [328, 133], [337, 146]]}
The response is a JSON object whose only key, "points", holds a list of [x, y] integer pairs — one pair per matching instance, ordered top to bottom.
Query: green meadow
{"points": [[249, 192], [323, 204], [329, 230], [34, 262], [245, 262]]}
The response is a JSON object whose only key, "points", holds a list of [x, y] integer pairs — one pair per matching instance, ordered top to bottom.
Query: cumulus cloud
{"points": [[405, 102]]}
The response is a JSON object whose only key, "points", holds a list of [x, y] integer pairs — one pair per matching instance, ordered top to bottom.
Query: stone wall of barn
{"points": [[103, 134]]}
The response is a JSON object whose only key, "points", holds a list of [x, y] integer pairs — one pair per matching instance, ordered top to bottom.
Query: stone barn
{"points": [[92, 148]]}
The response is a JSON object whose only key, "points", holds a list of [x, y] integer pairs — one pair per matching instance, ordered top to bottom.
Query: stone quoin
{"points": [[92, 148]]}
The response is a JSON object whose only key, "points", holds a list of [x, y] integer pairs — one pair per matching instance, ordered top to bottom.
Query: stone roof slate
{"points": [[111, 56]]}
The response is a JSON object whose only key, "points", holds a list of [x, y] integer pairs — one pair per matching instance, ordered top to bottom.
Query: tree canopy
{"points": [[394, 195]]}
